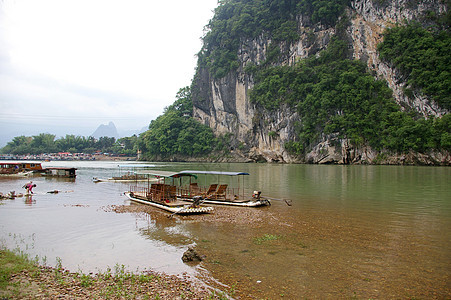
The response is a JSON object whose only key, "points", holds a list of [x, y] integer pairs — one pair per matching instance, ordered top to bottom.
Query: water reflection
{"points": [[29, 200], [158, 227]]}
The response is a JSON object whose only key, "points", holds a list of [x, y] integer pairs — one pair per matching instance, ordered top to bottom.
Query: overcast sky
{"points": [[67, 66]]}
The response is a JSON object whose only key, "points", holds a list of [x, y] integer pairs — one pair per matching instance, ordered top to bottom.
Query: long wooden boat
{"points": [[31, 166], [14, 170], [163, 194], [223, 194], [176, 208]]}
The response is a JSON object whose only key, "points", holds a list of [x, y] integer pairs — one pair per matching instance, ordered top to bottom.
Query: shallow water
{"points": [[352, 231]]}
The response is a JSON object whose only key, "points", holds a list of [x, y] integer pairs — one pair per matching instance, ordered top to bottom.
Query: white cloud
{"points": [[97, 60]]}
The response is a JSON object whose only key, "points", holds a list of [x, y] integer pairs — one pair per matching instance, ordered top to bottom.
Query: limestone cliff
{"points": [[369, 20], [259, 135]]}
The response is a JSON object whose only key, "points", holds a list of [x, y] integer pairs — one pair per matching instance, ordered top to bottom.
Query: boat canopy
{"points": [[214, 173], [167, 174]]}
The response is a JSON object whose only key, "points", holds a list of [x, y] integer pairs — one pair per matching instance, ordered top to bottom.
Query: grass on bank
{"points": [[10, 264], [22, 277]]}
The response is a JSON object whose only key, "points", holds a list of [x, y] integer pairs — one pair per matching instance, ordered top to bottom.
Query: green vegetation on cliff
{"points": [[238, 20], [423, 57], [332, 93], [335, 95], [176, 132]]}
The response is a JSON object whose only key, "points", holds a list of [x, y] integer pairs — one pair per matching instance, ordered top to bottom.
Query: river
{"points": [[350, 231]]}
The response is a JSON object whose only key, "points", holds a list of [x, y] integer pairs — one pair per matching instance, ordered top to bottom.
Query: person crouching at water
{"points": [[29, 187]]}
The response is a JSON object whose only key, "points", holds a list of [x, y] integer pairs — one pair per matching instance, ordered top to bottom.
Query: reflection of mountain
{"points": [[161, 228]]}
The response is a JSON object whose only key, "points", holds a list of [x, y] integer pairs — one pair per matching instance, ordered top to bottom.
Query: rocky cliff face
{"points": [[369, 20], [259, 135]]}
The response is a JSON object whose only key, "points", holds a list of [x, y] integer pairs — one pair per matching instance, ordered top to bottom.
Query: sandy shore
{"points": [[53, 283]]}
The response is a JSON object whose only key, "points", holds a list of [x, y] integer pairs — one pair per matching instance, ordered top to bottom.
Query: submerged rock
{"points": [[10, 195], [191, 255]]}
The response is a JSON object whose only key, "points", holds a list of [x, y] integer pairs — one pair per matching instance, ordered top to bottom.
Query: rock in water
{"points": [[191, 255]]}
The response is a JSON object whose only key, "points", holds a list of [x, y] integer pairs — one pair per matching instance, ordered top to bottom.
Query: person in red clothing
{"points": [[29, 187]]}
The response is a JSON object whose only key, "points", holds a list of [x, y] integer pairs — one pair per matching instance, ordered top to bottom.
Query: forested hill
{"points": [[327, 81]]}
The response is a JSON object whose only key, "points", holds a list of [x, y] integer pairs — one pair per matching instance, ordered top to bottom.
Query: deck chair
{"points": [[194, 189], [211, 190], [156, 192], [190, 192], [170, 193], [220, 193]]}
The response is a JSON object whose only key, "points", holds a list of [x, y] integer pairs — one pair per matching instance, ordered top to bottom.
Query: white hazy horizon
{"points": [[68, 66]]}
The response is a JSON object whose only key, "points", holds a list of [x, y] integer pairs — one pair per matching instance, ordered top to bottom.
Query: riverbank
{"points": [[320, 156], [21, 278]]}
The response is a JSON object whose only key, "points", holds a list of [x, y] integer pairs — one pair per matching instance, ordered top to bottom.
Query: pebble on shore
{"points": [[52, 283]]}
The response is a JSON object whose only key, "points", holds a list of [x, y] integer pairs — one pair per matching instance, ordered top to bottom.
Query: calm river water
{"points": [[351, 231]]}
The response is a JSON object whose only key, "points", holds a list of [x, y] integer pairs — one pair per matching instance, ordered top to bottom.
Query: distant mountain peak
{"points": [[106, 130]]}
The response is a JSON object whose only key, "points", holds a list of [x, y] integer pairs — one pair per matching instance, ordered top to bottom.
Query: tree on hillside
{"points": [[176, 132]]}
